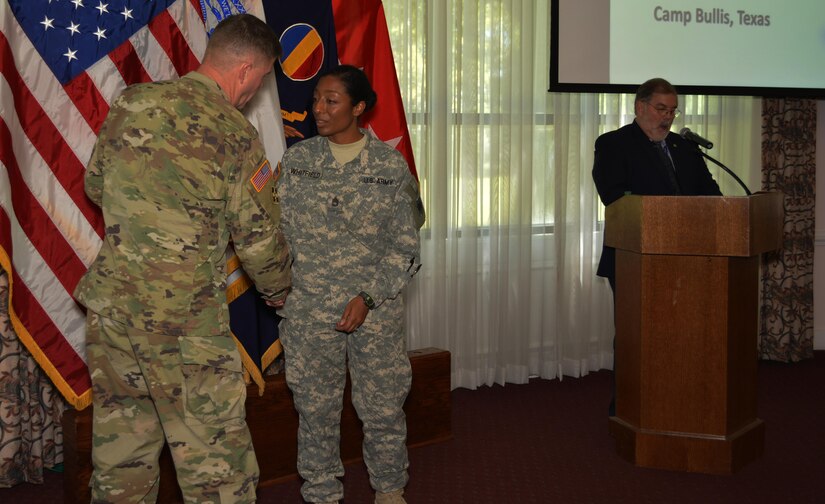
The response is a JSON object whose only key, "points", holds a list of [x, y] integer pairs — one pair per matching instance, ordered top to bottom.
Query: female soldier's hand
{"points": [[354, 315]]}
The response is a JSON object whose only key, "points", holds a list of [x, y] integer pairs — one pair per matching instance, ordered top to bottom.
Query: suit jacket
{"points": [[626, 161]]}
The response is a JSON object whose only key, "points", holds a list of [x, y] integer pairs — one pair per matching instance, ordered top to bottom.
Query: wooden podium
{"points": [[687, 273]]}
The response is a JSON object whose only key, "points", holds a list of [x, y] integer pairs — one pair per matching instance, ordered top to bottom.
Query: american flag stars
{"points": [[47, 23], [71, 35]]}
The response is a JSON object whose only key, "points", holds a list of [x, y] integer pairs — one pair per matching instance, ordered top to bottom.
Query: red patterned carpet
{"points": [[547, 442]]}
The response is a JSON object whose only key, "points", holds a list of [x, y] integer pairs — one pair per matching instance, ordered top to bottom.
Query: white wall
{"points": [[819, 248]]}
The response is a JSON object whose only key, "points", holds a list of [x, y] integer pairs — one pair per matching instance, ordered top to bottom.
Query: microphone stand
{"points": [[728, 170]]}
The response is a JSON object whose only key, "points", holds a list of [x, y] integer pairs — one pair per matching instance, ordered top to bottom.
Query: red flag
{"points": [[364, 42], [61, 65]]}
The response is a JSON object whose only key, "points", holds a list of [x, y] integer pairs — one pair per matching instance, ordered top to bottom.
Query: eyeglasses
{"points": [[665, 111]]}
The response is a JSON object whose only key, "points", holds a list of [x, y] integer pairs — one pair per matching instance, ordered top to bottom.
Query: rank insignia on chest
{"points": [[261, 176]]}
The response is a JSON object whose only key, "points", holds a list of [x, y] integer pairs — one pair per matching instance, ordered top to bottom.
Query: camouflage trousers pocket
{"points": [[213, 387]]}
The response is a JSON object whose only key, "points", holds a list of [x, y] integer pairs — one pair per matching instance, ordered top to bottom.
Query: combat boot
{"points": [[390, 497]]}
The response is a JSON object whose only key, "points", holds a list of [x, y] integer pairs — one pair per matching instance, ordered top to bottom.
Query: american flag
{"points": [[62, 62], [261, 176]]}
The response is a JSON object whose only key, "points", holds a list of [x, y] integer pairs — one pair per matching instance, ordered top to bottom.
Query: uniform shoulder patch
{"points": [[261, 176], [419, 215]]}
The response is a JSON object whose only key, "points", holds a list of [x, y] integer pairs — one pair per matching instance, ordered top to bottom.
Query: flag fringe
{"points": [[233, 263], [238, 287], [233, 292], [271, 354], [251, 371], [78, 401]]}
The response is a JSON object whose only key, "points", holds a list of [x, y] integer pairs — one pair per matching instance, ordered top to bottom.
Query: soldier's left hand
{"points": [[354, 315]]}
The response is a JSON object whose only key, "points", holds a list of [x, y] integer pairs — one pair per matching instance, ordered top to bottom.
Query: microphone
{"points": [[693, 137]]}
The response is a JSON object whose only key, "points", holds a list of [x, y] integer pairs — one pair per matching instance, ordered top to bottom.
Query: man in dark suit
{"points": [[646, 158]]}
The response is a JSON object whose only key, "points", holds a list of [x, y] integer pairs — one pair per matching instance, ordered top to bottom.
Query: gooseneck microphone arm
{"points": [[698, 141], [728, 170]]}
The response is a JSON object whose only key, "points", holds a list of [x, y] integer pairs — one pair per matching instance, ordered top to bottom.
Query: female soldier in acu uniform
{"points": [[351, 215]]}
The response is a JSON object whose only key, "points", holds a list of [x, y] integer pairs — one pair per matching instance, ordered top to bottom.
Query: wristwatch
{"points": [[367, 300]]}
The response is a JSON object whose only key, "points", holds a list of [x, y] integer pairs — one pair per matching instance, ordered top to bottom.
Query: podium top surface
{"points": [[741, 226]]}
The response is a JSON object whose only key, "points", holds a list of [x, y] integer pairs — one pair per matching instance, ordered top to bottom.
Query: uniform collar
{"points": [[206, 81]]}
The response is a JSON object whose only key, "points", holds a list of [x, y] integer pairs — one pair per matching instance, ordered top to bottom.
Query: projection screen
{"points": [[753, 47]]}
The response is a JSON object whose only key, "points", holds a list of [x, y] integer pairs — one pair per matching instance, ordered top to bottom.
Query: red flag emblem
{"points": [[364, 41]]}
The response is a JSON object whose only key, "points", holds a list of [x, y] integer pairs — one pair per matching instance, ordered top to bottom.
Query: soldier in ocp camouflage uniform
{"points": [[178, 172], [351, 214]]}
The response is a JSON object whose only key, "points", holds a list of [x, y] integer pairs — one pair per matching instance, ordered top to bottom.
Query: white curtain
{"points": [[513, 231]]}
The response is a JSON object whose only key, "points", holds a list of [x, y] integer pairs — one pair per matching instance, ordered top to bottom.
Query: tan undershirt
{"points": [[344, 153]]}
